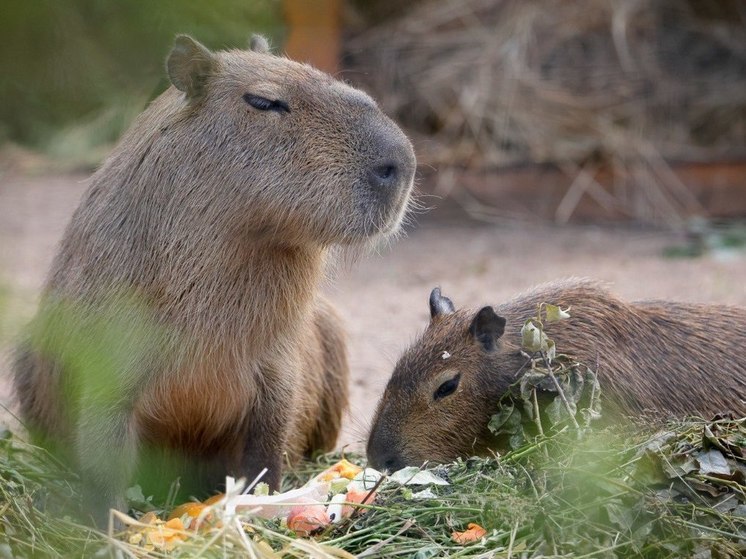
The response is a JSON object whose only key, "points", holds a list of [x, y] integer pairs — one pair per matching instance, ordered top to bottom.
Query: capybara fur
{"points": [[215, 216], [653, 358]]}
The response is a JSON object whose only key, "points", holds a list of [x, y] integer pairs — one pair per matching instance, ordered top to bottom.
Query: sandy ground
{"points": [[384, 296]]}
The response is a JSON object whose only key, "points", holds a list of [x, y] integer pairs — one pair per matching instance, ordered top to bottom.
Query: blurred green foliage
{"points": [[73, 73]]}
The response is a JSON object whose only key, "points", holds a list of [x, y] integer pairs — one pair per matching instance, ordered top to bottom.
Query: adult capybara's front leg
{"points": [[328, 387], [266, 433], [106, 449]]}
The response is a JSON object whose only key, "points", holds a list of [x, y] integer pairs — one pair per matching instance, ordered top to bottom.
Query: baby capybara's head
{"points": [[443, 391]]}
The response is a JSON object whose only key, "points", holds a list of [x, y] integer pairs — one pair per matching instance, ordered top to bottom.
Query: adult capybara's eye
{"points": [[264, 104], [447, 388]]}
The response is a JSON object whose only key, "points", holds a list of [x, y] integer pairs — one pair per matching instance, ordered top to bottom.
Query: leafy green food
{"points": [[574, 385], [563, 490], [673, 493]]}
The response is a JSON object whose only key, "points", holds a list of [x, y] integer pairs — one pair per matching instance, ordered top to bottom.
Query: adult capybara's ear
{"points": [[259, 43], [189, 65], [440, 305], [487, 327]]}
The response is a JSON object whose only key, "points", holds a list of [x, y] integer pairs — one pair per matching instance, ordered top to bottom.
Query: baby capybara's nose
{"points": [[383, 453], [387, 463]]}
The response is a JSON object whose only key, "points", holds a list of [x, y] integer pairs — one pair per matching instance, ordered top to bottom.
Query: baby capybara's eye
{"points": [[447, 388]]}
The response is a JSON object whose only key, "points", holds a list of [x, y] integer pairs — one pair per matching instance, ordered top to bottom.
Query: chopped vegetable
{"points": [[342, 469], [308, 519], [474, 532], [152, 533]]}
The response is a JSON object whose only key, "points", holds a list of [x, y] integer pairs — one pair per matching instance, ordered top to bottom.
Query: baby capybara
{"points": [[652, 357]]}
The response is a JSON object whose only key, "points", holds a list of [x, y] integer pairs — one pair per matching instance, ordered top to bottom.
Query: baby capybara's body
{"points": [[194, 262], [657, 358]]}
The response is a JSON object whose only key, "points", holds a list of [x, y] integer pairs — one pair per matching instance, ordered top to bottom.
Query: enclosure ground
{"points": [[383, 295]]}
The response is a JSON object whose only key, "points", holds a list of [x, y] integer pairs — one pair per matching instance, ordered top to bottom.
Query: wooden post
{"points": [[314, 32]]}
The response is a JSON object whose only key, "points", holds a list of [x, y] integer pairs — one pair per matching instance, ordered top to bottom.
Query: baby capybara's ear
{"points": [[189, 65], [440, 305], [487, 327]]}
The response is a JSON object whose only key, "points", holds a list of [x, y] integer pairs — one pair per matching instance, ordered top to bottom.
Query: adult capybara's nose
{"points": [[391, 171], [384, 174]]}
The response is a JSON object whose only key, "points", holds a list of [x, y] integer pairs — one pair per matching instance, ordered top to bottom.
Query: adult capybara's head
{"points": [[270, 147], [443, 391]]}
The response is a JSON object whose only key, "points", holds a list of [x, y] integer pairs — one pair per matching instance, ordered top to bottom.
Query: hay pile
{"points": [[597, 83], [675, 493]]}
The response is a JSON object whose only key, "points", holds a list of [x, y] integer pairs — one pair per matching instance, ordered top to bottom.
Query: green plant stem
{"points": [[561, 393]]}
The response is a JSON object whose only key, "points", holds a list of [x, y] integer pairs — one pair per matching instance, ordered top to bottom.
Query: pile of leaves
{"points": [[572, 387], [562, 490], [679, 492]]}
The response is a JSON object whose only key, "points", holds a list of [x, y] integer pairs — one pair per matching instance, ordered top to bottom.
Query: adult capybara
{"points": [[211, 224], [652, 357]]}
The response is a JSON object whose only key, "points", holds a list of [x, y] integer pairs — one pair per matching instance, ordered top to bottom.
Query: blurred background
{"points": [[612, 109], [602, 138]]}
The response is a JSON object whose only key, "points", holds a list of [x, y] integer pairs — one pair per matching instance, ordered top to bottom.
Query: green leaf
{"points": [[555, 313], [531, 337], [527, 388], [557, 412], [498, 420], [508, 422], [517, 441], [713, 462], [676, 468], [261, 489], [134, 493], [137, 500], [621, 515], [427, 552]]}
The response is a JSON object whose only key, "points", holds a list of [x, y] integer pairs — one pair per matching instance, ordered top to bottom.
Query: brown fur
{"points": [[217, 217], [656, 358]]}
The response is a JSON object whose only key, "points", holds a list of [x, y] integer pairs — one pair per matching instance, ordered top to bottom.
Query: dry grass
{"points": [[584, 85], [616, 493]]}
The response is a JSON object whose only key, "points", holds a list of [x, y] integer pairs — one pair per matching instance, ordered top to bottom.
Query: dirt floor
{"points": [[384, 296]]}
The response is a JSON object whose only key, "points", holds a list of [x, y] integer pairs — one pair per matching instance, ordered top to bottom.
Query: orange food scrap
{"points": [[343, 468], [355, 496], [214, 499], [192, 510], [306, 520], [174, 524], [474, 532], [157, 534], [166, 536]]}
